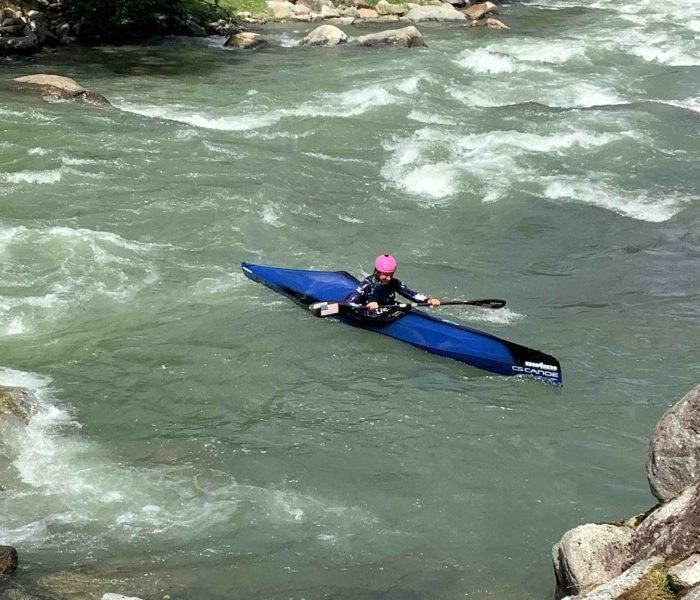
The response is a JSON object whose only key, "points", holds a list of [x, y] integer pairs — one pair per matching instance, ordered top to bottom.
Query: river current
{"points": [[195, 424]]}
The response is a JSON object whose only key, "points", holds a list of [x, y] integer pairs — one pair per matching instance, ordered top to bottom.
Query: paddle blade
{"points": [[488, 303], [324, 309]]}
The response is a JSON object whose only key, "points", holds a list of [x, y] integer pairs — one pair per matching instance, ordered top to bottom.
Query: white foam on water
{"points": [[484, 61], [575, 94], [689, 103], [344, 104], [185, 115], [429, 118], [38, 151], [337, 159], [414, 168], [38, 177], [434, 181], [636, 205], [271, 216], [352, 220], [63, 270], [222, 285], [502, 316], [62, 481]]}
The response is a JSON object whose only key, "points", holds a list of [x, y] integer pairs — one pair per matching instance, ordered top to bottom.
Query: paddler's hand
{"points": [[433, 302], [373, 305]]}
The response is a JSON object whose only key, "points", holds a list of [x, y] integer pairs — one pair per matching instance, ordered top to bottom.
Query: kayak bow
{"points": [[432, 334]]}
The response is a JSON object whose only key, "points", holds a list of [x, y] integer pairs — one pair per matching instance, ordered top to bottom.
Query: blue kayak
{"points": [[439, 336]]}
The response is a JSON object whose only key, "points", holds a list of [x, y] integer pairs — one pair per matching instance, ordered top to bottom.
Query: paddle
{"points": [[328, 309]]}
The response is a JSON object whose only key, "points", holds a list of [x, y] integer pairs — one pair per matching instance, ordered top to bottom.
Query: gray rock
{"points": [[444, 12], [325, 35], [406, 37], [673, 462], [671, 530], [590, 555], [686, 574], [621, 584], [693, 594]]}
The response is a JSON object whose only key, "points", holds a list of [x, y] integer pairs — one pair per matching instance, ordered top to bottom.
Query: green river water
{"points": [[195, 426]]}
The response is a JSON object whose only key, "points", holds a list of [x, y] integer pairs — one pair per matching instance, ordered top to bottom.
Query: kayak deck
{"points": [[432, 334]]}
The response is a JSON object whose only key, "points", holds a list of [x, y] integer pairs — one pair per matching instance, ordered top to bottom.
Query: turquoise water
{"points": [[196, 424]]}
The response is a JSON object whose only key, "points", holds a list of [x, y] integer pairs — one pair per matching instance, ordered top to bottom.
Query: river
{"points": [[195, 424]]}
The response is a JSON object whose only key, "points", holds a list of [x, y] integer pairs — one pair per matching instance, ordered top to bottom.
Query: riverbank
{"points": [[27, 32]]}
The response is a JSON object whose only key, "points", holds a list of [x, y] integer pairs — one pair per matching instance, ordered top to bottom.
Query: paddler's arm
{"points": [[359, 296], [414, 296]]}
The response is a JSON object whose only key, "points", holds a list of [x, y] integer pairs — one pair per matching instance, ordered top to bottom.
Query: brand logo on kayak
{"points": [[540, 366], [538, 372]]}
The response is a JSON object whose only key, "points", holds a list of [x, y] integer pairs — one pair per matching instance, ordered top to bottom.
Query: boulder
{"points": [[316, 5], [387, 8], [280, 10], [480, 10], [444, 12], [368, 13], [493, 23], [325, 35], [407, 37], [246, 40], [25, 44], [56, 87], [17, 402], [673, 461], [671, 530], [590, 555], [8, 560], [686, 574], [623, 584], [693, 593]]}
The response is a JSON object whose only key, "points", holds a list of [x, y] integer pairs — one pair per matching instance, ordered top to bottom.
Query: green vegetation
{"points": [[122, 20], [653, 586]]}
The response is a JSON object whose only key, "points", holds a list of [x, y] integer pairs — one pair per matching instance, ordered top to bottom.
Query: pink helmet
{"points": [[385, 264]]}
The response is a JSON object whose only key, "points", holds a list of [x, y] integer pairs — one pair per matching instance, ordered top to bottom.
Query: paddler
{"points": [[380, 288]]}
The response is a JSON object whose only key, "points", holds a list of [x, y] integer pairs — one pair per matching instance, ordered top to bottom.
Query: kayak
{"points": [[432, 334]]}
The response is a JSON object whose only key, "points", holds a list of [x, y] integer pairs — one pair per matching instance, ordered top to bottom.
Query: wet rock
{"points": [[480, 10], [493, 23], [325, 35], [407, 37], [246, 40], [55, 87], [17, 402], [673, 462], [8, 560], [126, 581], [118, 597]]}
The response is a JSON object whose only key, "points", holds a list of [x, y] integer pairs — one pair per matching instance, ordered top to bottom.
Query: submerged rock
{"points": [[55, 87], [18, 402], [8, 560]]}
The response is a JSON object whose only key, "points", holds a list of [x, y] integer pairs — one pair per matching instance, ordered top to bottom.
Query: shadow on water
{"points": [[165, 57]]}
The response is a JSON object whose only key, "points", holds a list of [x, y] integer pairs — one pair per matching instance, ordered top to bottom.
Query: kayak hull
{"points": [[424, 331]]}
